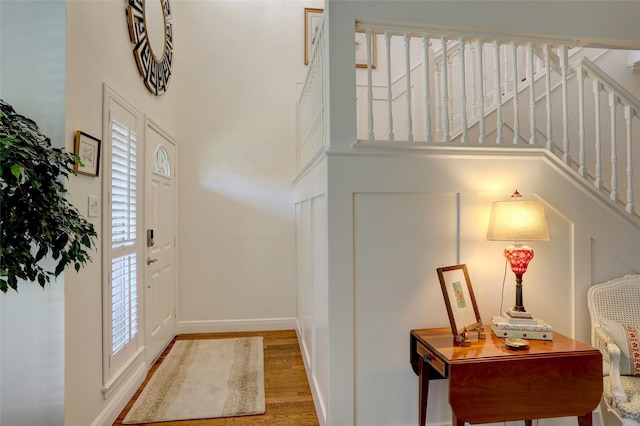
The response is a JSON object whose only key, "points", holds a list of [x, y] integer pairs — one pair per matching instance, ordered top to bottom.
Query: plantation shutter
{"points": [[124, 273]]}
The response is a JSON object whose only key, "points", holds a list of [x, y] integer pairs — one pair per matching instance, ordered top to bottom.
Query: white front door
{"points": [[160, 240]]}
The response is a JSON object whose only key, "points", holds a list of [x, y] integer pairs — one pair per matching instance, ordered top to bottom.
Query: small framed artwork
{"points": [[312, 21], [361, 49], [88, 149], [459, 298]]}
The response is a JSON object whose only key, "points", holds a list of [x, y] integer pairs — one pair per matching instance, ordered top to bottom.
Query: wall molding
{"points": [[221, 326], [124, 372], [121, 397]]}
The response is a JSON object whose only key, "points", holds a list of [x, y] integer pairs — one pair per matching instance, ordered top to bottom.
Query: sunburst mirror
{"points": [[151, 33]]}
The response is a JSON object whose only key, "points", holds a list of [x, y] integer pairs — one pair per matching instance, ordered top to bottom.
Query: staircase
{"points": [[419, 88], [399, 162]]}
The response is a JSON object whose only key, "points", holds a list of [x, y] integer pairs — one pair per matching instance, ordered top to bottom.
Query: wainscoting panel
{"points": [[399, 241], [303, 272], [320, 294], [312, 295]]}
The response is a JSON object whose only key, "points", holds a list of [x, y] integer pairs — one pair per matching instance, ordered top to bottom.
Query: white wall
{"points": [[239, 63], [32, 80]]}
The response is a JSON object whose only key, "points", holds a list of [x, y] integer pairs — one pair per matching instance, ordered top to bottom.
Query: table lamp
{"points": [[518, 220]]}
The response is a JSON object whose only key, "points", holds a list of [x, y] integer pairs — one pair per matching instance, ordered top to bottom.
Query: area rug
{"points": [[201, 379]]}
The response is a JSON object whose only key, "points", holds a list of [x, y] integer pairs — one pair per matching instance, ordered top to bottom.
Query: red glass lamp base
{"points": [[519, 257]]}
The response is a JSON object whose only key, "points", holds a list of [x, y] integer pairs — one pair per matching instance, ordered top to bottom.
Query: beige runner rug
{"points": [[201, 379]]}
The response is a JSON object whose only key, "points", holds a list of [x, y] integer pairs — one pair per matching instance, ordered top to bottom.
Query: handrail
{"points": [[438, 30], [597, 73], [607, 81]]}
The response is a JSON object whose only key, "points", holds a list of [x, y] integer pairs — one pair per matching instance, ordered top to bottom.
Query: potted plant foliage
{"points": [[36, 219]]}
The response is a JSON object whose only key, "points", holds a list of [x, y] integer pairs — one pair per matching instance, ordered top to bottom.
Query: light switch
{"points": [[93, 206]]}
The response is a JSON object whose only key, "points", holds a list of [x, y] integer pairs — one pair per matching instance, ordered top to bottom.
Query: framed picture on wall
{"points": [[312, 21], [361, 50], [88, 149], [459, 299]]}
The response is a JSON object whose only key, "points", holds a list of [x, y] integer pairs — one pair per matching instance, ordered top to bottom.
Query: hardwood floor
{"points": [[287, 394]]}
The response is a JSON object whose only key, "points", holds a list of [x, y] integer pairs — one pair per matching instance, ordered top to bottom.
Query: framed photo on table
{"points": [[88, 149], [459, 299]]}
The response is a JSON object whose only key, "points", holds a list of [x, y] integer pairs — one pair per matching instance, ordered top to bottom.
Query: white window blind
{"points": [[124, 277]]}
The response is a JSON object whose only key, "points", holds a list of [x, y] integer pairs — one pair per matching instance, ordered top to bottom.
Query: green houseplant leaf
{"points": [[36, 218]]}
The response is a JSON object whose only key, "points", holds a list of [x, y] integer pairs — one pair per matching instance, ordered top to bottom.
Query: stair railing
{"points": [[463, 89], [493, 91], [619, 99], [311, 106]]}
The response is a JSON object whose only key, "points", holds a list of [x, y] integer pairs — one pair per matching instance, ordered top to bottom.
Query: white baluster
{"points": [[387, 40], [407, 46], [564, 59], [547, 64], [505, 69], [474, 80], [445, 88], [450, 88], [463, 88], [597, 88], [427, 94], [498, 94], [532, 95], [439, 99], [613, 102], [516, 103], [627, 116], [372, 136], [481, 138], [582, 169]]}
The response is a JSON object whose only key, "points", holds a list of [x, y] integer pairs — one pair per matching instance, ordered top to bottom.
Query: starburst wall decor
{"points": [[154, 68]]}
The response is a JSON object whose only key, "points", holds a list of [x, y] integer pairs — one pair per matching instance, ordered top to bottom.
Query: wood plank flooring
{"points": [[287, 394]]}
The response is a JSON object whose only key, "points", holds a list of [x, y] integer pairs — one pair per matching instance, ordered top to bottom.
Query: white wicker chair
{"points": [[615, 316]]}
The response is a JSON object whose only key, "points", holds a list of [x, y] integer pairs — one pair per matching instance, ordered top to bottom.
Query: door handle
{"points": [[150, 260]]}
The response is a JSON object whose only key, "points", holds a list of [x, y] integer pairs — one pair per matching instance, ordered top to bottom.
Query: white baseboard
{"points": [[222, 326], [121, 397]]}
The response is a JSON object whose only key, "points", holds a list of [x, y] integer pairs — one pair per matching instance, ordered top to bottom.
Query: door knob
{"points": [[150, 260]]}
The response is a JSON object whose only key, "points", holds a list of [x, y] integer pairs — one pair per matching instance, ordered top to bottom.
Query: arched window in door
{"points": [[162, 165]]}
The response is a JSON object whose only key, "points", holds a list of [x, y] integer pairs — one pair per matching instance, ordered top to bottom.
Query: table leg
{"points": [[424, 370], [586, 420], [456, 421], [528, 423]]}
